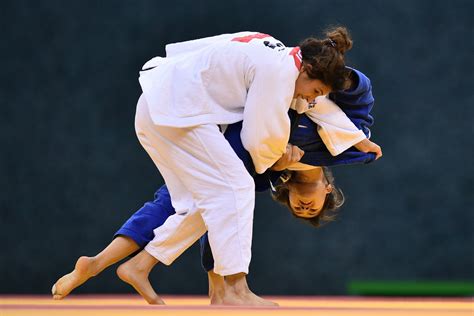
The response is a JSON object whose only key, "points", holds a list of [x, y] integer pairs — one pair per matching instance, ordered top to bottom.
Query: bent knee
{"points": [[243, 184], [237, 195]]}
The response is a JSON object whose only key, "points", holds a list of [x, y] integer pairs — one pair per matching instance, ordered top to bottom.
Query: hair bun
{"points": [[339, 38], [324, 59]]}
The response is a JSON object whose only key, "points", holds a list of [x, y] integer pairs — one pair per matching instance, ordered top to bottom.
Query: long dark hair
{"points": [[324, 59], [334, 200]]}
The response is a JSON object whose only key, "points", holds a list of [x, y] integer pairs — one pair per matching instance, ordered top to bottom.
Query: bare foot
{"points": [[84, 269], [133, 273], [235, 291], [247, 298], [216, 299], [259, 300]]}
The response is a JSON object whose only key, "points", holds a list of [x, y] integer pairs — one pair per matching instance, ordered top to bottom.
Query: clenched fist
{"points": [[293, 154]]}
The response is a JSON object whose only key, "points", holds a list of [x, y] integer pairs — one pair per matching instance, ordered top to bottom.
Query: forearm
{"points": [[336, 130]]}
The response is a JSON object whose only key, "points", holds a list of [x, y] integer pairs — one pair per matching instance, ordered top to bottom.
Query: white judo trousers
{"points": [[210, 190]]}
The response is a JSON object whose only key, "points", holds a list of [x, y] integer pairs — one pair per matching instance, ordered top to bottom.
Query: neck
{"points": [[309, 176]]}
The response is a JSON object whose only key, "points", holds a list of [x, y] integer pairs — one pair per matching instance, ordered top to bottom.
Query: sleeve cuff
{"points": [[336, 144]]}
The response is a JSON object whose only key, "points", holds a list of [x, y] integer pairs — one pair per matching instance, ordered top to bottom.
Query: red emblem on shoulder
{"points": [[248, 38], [296, 53]]}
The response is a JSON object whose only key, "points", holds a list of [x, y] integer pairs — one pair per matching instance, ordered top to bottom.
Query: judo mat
{"points": [[121, 305]]}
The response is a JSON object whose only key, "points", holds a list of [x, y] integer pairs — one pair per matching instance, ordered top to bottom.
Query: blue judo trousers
{"points": [[356, 103]]}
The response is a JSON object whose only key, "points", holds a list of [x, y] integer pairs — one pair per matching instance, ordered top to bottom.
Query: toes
{"points": [[54, 291], [56, 295]]}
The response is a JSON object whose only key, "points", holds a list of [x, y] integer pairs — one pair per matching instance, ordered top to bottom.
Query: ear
{"points": [[305, 67], [329, 188]]}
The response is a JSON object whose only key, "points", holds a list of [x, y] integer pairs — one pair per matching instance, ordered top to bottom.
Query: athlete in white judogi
{"points": [[200, 85]]}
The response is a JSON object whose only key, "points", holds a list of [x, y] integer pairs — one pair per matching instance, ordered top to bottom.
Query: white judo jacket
{"points": [[245, 76], [222, 80]]}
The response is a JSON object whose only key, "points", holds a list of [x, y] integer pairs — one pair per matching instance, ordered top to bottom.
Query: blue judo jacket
{"points": [[356, 103]]}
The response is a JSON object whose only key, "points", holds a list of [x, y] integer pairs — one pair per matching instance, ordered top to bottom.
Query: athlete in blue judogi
{"points": [[356, 103]]}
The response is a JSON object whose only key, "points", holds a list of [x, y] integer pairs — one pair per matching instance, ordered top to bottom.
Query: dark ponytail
{"points": [[324, 59]]}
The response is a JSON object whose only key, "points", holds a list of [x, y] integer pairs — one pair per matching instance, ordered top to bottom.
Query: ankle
{"points": [[96, 265], [234, 278], [237, 283], [216, 284]]}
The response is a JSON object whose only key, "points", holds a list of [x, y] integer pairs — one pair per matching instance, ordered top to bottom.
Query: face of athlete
{"points": [[307, 88], [307, 199]]}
